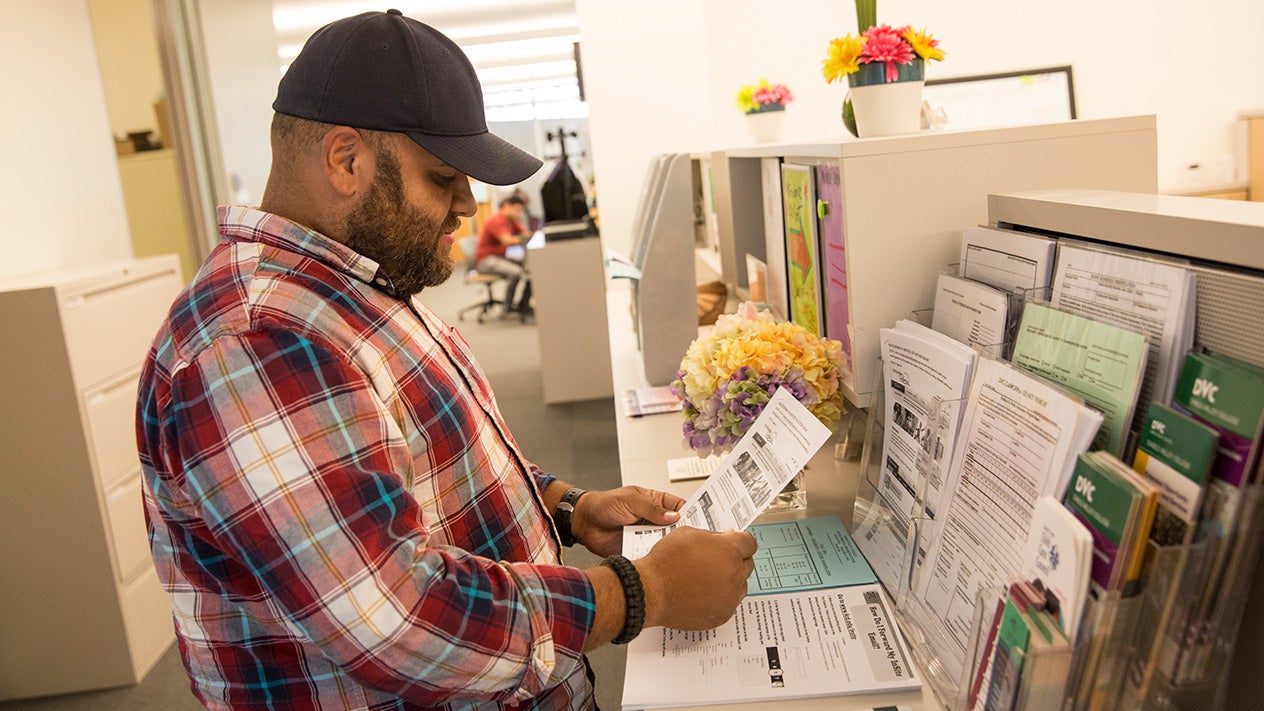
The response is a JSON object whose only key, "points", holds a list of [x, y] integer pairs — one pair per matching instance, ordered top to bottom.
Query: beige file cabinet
{"points": [[80, 603]]}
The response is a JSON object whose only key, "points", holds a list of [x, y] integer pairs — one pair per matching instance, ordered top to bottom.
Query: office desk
{"points": [[646, 443]]}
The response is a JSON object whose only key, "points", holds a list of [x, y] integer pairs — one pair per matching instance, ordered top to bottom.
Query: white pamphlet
{"points": [[1006, 259], [1138, 293], [972, 312], [926, 378], [639, 402], [1019, 440], [775, 448], [1059, 552], [775, 647]]}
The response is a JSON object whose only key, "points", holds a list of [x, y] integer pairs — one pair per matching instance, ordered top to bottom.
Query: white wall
{"points": [[241, 55], [1193, 66], [131, 71], [646, 83], [60, 186]]}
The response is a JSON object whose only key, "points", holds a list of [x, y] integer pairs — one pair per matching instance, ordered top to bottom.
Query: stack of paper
{"points": [[1008, 260], [1137, 292], [973, 313], [1101, 363], [926, 377], [1227, 395], [639, 402], [1019, 440], [1176, 452], [1118, 506], [1059, 553], [804, 639], [1027, 657]]}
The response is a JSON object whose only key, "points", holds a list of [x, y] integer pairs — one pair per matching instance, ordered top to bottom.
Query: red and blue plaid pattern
{"points": [[336, 508]]}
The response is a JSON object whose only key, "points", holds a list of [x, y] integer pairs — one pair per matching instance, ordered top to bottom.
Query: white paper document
{"points": [[1007, 259], [1138, 293], [972, 312], [926, 377], [639, 402], [1019, 440], [780, 441], [1059, 552], [776, 647]]}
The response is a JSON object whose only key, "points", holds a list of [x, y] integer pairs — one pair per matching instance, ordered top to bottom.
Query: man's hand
{"points": [[600, 516], [695, 579]]}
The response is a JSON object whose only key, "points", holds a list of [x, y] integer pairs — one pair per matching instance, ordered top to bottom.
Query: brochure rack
{"points": [[890, 540], [1164, 645]]}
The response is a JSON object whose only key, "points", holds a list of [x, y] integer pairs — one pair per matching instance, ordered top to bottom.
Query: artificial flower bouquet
{"points": [[879, 45], [762, 97], [729, 374]]}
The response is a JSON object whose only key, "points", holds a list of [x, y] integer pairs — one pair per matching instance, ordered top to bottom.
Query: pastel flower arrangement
{"points": [[892, 46], [763, 96], [729, 374]]}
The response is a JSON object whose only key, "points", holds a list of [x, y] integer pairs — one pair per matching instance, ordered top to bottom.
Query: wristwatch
{"points": [[563, 513]]}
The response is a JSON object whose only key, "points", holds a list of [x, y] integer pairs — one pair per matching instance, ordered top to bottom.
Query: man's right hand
{"points": [[695, 579]]}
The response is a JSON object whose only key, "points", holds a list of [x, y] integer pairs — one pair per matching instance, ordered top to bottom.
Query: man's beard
{"points": [[399, 237]]}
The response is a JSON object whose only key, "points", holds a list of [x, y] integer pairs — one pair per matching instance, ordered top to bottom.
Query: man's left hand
{"points": [[600, 516]]}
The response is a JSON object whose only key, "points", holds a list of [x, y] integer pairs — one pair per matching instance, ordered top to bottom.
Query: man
{"points": [[500, 232], [336, 508]]}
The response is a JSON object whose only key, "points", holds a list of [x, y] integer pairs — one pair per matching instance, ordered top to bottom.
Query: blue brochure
{"points": [[806, 554]]}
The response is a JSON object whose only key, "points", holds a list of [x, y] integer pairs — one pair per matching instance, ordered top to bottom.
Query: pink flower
{"points": [[884, 43]]}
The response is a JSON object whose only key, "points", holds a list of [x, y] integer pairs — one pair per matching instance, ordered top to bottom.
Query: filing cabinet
{"points": [[80, 604]]}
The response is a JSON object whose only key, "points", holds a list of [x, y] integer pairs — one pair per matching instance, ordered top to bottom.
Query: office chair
{"points": [[468, 247]]}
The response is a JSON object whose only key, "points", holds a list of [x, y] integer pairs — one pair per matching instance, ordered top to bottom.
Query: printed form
{"points": [[1140, 294], [1020, 439], [779, 443]]}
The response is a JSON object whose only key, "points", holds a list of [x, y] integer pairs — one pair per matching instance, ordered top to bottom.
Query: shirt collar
{"points": [[238, 222]]}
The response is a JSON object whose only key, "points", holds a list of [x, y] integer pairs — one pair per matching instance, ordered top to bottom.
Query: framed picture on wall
{"points": [[1023, 97], [803, 274]]}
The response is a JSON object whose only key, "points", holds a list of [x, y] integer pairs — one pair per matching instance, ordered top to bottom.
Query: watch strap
{"points": [[563, 515]]}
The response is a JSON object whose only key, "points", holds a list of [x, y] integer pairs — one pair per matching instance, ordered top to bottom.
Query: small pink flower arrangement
{"points": [[892, 46], [764, 96]]}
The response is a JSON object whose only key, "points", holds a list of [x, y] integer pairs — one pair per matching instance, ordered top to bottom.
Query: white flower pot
{"points": [[887, 109], [765, 126]]}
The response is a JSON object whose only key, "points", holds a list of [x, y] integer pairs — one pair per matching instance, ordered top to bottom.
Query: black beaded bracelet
{"points": [[563, 515], [633, 597]]}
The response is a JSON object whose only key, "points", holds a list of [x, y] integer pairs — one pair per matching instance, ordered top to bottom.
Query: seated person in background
{"points": [[501, 231]]}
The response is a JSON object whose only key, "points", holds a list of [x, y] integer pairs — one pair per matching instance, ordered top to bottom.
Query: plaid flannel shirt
{"points": [[336, 508]]}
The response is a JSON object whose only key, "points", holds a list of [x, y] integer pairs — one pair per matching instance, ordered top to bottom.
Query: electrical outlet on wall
{"points": [[1219, 170], [1193, 175]]}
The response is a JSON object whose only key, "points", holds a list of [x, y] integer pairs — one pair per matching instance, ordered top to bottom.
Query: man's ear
{"points": [[347, 160]]}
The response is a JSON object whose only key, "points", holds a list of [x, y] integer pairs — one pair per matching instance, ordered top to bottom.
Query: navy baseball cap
{"points": [[387, 72]]}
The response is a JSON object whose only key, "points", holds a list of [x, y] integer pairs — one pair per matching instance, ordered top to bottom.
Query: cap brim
{"points": [[482, 156]]}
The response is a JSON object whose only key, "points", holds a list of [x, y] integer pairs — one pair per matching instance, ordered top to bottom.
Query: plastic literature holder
{"points": [[1013, 310], [891, 540], [1172, 576], [1205, 652], [1040, 683]]}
